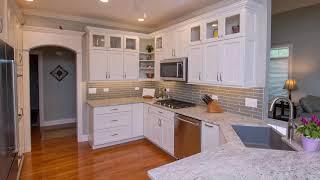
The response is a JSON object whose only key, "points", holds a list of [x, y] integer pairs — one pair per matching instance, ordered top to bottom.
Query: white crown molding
{"points": [[108, 23], [51, 30]]}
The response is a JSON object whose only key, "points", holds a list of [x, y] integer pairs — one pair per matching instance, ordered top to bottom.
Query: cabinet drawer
{"points": [[112, 109], [162, 112], [112, 120], [112, 135]]}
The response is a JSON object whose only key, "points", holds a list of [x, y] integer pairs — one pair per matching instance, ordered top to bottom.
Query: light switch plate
{"points": [[137, 88], [92, 90], [106, 90], [214, 97], [251, 102]]}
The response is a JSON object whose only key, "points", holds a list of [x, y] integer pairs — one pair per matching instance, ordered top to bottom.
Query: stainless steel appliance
{"points": [[174, 69], [174, 104], [8, 114], [187, 136]]}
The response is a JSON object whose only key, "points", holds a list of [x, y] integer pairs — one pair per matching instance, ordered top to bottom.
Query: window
{"points": [[279, 53]]}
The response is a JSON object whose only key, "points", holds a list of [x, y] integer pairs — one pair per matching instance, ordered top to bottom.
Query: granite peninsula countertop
{"points": [[231, 160]]}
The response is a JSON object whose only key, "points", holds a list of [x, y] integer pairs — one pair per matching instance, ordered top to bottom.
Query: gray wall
{"points": [[301, 28], [59, 97]]}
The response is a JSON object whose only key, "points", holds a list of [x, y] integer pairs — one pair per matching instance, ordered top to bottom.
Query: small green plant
{"points": [[149, 48], [310, 127]]}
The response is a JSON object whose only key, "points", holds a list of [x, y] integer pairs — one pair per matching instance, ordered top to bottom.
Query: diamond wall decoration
{"points": [[59, 73]]}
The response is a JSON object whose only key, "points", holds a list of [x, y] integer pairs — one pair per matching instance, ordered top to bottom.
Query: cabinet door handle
{"points": [[107, 75], [125, 75], [199, 75], [217, 76], [221, 76], [115, 109], [160, 112], [114, 120], [159, 122], [114, 134]]}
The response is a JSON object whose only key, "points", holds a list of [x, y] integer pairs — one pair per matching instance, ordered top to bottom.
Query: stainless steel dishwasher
{"points": [[187, 136]]}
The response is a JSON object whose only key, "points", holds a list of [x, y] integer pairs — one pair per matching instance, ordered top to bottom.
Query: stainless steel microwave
{"points": [[174, 69]]}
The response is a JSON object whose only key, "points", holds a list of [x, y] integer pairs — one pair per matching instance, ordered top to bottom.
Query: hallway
{"points": [[64, 158]]}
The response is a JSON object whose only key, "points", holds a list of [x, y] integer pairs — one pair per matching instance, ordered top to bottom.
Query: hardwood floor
{"points": [[64, 158]]}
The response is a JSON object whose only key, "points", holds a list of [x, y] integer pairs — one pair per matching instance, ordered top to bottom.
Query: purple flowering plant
{"points": [[310, 127]]}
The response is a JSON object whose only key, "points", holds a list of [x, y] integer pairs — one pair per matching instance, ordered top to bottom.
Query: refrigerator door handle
{"points": [[15, 102]]}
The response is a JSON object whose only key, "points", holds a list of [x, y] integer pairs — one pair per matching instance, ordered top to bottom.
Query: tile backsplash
{"points": [[232, 99]]}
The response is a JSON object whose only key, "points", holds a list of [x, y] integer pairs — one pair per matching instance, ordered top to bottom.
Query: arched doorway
{"points": [[36, 37], [52, 93]]}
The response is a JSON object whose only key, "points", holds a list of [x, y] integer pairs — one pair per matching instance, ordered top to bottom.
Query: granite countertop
{"points": [[231, 160]]}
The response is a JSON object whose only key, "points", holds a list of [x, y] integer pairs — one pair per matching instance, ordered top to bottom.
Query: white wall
{"points": [[301, 28], [59, 97]]}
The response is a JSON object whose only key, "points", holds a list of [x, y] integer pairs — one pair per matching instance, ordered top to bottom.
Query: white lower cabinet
{"points": [[115, 124], [159, 128], [210, 136]]}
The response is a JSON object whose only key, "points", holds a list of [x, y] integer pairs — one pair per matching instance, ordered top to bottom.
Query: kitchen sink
{"points": [[261, 137]]}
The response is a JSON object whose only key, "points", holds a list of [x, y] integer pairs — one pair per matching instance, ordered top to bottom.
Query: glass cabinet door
{"points": [[232, 25], [213, 30], [195, 34], [98, 41], [115, 42], [131, 43], [159, 43]]}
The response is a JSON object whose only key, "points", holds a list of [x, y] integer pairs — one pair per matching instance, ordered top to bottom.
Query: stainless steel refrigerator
{"points": [[8, 114]]}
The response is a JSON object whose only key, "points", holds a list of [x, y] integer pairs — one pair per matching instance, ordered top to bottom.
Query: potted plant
{"points": [[149, 48], [310, 131]]}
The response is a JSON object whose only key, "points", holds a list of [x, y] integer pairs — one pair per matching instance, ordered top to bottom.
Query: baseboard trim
{"points": [[57, 122], [83, 138], [115, 143]]}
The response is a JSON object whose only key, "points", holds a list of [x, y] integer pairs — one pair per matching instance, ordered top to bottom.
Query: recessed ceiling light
{"points": [[29, 0], [104, 1], [140, 19], [214, 25]]}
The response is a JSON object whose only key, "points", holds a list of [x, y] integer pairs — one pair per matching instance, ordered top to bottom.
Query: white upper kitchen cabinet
{"points": [[169, 41], [115, 42], [181, 42], [131, 43], [212, 61], [195, 64], [232, 64], [115, 65], [131, 65], [98, 66]]}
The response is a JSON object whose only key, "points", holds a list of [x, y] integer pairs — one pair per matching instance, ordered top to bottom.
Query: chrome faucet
{"points": [[291, 124]]}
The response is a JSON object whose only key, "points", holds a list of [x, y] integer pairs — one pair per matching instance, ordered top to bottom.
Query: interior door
{"points": [[212, 62], [232, 62], [195, 64], [115, 65], [131, 65], [98, 68]]}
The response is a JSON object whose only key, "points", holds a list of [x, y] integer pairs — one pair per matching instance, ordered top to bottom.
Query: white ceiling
{"points": [[279, 6], [159, 12]]}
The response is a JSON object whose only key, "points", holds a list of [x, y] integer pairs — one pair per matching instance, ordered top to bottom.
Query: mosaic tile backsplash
{"points": [[232, 99]]}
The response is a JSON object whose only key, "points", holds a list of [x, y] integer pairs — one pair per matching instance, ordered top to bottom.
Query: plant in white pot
{"points": [[310, 131]]}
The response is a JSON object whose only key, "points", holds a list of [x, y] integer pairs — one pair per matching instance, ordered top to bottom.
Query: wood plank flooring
{"points": [[64, 158]]}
